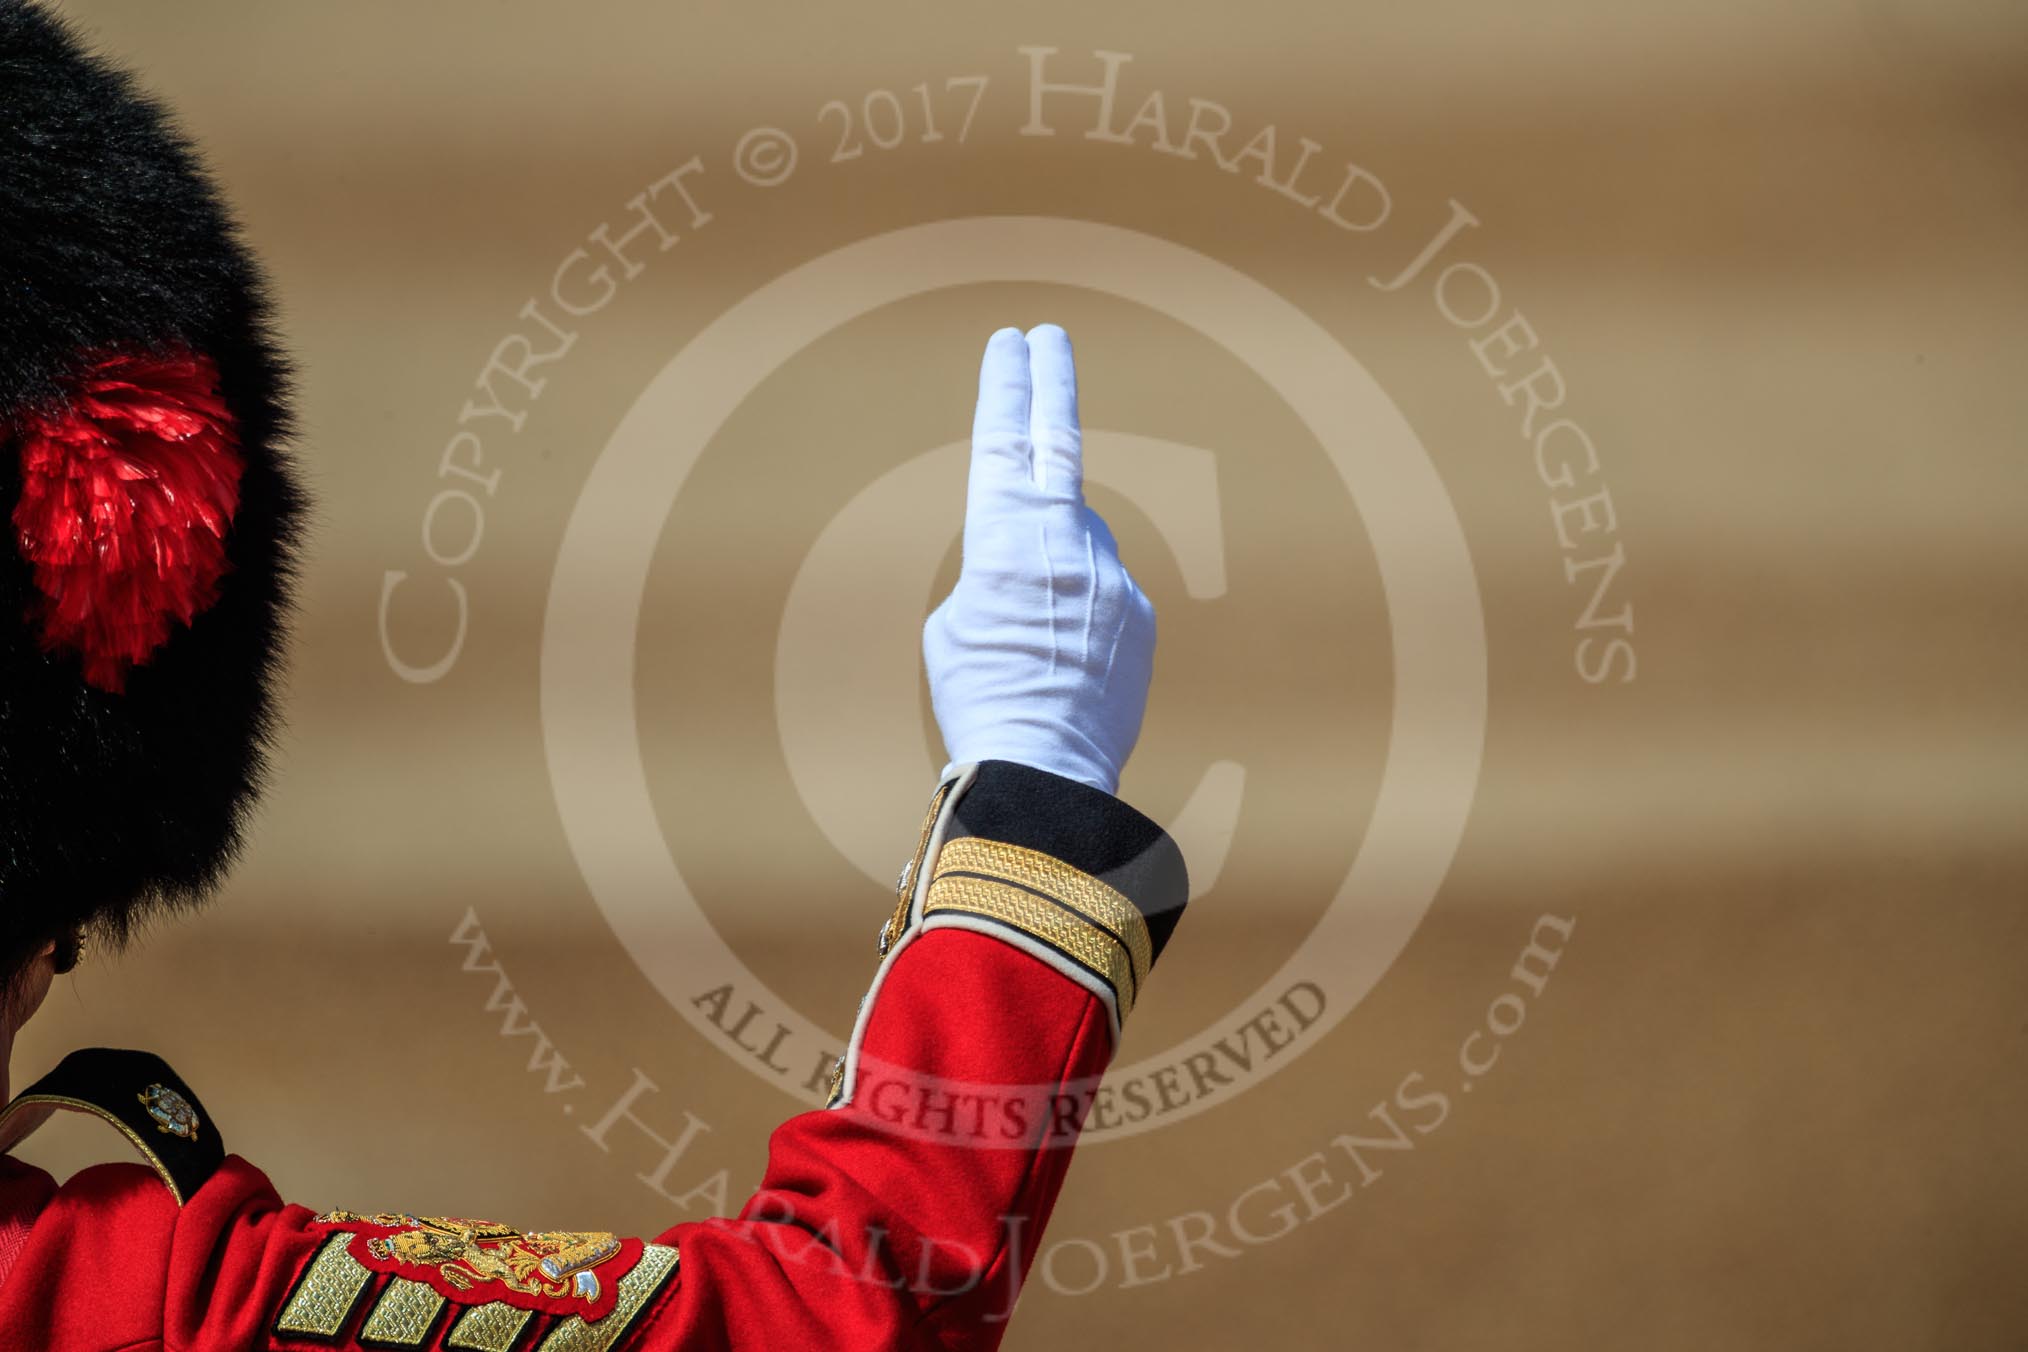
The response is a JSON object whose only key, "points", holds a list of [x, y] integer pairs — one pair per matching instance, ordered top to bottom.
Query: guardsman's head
{"points": [[151, 512]]}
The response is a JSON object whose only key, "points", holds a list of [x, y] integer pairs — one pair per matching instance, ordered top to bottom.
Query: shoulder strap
{"points": [[137, 1093]]}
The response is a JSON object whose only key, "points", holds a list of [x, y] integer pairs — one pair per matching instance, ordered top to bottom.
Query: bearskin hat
{"points": [[152, 511]]}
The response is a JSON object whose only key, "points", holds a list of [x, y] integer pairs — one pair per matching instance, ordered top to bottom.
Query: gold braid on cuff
{"points": [[1091, 926]]}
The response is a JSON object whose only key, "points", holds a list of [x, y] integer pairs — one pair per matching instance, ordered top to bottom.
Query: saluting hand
{"points": [[1043, 651]]}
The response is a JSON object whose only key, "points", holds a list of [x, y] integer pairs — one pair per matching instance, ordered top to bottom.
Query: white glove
{"points": [[1043, 651]]}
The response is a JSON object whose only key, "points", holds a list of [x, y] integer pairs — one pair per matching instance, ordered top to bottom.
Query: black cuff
{"points": [[1086, 828]]}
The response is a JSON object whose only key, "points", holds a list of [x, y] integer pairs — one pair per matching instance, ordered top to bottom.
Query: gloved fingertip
{"points": [[1053, 421], [1000, 425]]}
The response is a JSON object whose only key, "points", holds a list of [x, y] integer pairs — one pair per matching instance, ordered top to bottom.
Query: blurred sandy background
{"points": [[1774, 1095]]}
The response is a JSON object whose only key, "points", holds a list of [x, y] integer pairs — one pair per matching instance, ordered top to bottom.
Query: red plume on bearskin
{"points": [[126, 495]]}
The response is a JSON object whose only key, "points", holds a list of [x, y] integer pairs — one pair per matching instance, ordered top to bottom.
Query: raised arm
{"points": [[1025, 922], [903, 1214]]}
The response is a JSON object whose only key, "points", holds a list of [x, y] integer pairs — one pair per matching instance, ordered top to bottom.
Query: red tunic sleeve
{"points": [[904, 1214]]}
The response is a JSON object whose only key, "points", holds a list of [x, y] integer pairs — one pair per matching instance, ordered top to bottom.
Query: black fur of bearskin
{"points": [[112, 239]]}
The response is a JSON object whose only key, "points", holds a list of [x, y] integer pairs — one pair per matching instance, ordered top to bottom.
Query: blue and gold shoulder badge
{"points": [[573, 1289]]}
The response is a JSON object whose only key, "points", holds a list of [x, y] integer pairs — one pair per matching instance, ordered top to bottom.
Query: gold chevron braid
{"points": [[1024, 867], [1067, 932], [636, 1289], [326, 1293], [403, 1314], [491, 1327]]}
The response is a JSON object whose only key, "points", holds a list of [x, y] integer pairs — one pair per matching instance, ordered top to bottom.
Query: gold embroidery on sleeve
{"points": [[1104, 906], [1068, 932], [553, 1263], [636, 1289], [325, 1295], [403, 1314], [491, 1327]]}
